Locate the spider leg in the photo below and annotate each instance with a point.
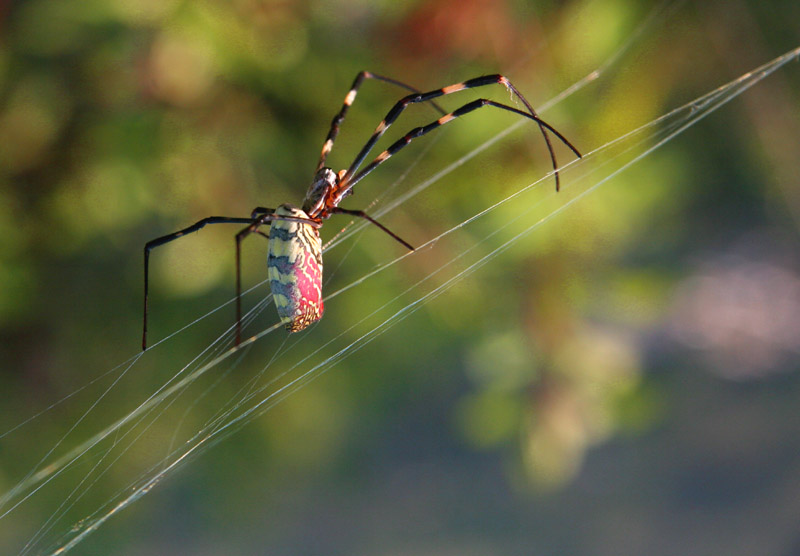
(403, 103)
(258, 211)
(348, 100)
(365, 216)
(253, 228)
(150, 245)
(420, 131)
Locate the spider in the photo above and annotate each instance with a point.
(294, 261)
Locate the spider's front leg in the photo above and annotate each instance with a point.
(327, 146)
(351, 177)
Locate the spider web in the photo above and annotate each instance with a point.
(172, 430)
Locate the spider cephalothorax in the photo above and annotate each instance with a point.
(295, 251)
(319, 196)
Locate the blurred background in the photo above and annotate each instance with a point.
(623, 380)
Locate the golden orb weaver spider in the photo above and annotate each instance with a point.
(294, 261)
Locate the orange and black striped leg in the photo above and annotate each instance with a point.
(253, 228)
(420, 131)
(348, 100)
(150, 245)
(365, 216)
(403, 103)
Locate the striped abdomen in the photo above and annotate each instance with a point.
(294, 265)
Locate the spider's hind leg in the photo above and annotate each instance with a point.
(152, 244)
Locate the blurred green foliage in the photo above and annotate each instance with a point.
(122, 121)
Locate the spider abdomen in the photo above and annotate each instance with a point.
(294, 265)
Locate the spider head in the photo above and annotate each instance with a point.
(325, 181)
